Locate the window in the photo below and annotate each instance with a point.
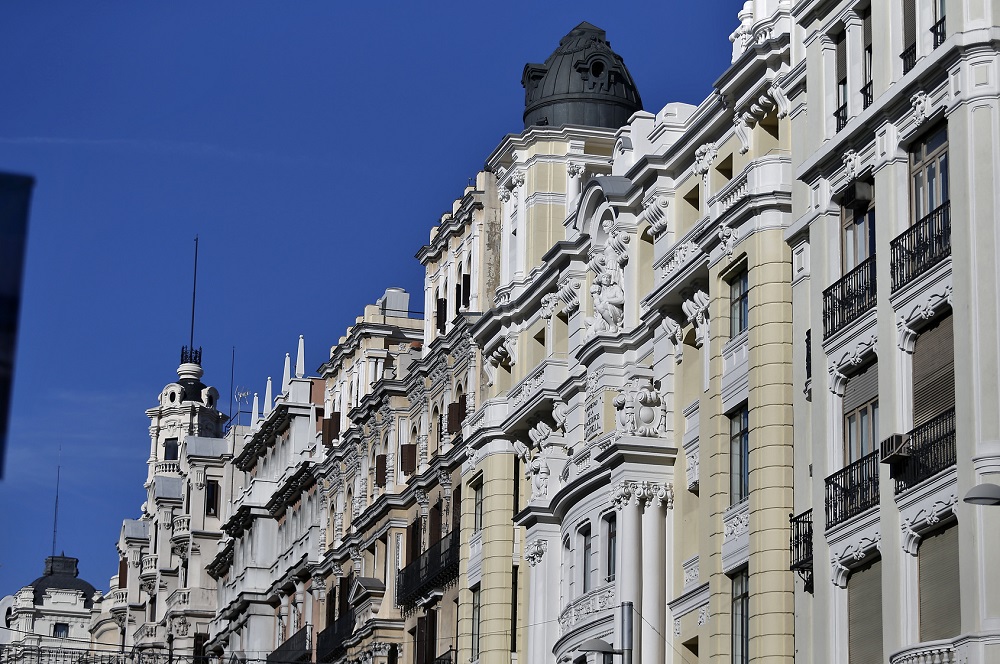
(861, 414)
(610, 547)
(170, 449)
(212, 498)
(60, 630)
(587, 550)
(840, 114)
(929, 174)
(741, 618)
(739, 304)
(858, 225)
(940, 599)
(477, 498)
(475, 622)
(867, 91)
(513, 609)
(864, 614)
(739, 455)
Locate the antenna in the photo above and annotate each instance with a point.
(189, 353)
(55, 516)
(194, 290)
(232, 377)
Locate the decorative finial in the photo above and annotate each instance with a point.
(268, 399)
(256, 408)
(286, 375)
(300, 359)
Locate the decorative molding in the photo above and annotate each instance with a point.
(655, 213)
(931, 302)
(921, 107)
(675, 333)
(601, 599)
(728, 237)
(696, 309)
(628, 492)
(852, 164)
(680, 256)
(851, 555)
(569, 294)
(639, 407)
(925, 517)
(703, 615)
(574, 169)
(852, 357)
(534, 550)
(549, 303)
(703, 158)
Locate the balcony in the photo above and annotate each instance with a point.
(802, 547)
(446, 658)
(930, 449)
(867, 95)
(929, 652)
(167, 468)
(330, 642)
(852, 490)
(296, 648)
(909, 58)
(921, 246)
(147, 567)
(939, 33)
(840, 115)
(846, 300)
(435, 567)
(181, 525)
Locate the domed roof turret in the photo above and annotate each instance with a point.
(61, 573)
(583, 82)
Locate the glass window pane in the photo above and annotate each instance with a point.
(918, 195)
(932, 185)
(945, 196)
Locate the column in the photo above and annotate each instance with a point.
(630, 560)
(654, 603)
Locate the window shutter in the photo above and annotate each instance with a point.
(841, 57)
(934, 372)
(408, 458)
(940, 599)
(458, 296)
(413, 540)
(867, 23)
(861, 388)
(442, 314)
(430, 631)
(456, 508)
(380, 470)
(434, 524)
(421, 640)
(122, 573)
(327, 432)
(466, 289)
(455, 417)
(864, 614)
(909, 23)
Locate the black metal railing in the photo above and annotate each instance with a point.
(846, 300)
(802, 541)
(191, 355)
(931, 448)
(444, 659)
(435, 567)
(296, 648)
(909, 58)
(330, 642)
(867, 94)
(922, 246)
(939, 33)
(840, 115)
(852, 490)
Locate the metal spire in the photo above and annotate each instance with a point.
(55, 515)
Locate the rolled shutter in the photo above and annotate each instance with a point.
(408, 458)
(934, 372)
(909, 23)
(861, 388)
(940, 599)
(841, 57)
(864, 614)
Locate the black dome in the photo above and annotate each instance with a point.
(583, 82)
(61, 573)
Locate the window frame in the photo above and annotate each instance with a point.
(171, 449)
(610, 547)
(477, 507)
(739, 303)
(869, 408)
(740, 616)
(739, 463)
(476, 626)
(212, 491)
(586, 559)
(919, 162)
(853, 218)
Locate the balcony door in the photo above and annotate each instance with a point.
(861, 415)
(929, 174)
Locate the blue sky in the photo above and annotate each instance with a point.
(310, 145)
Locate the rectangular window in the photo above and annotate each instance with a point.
(739, 455)
(857, 225)
(212, 498)
(861, 414)
(475, 623)
(741, 618)
(513, 609)
(611, 547)
(864, 614)
(929, 184)
(586, 547)
(739, 304)
(477, 498)
(60, 630)
(170, 448)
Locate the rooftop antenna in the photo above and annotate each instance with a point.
(55, 516)
(188, 353)
(232, 378)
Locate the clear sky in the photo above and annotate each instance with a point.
(311, 145)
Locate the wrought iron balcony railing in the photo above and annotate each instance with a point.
(840, 115)
(852, 490)
(435, 567)
(931, 449)
(939, 33)
(444, 659)
(846, 300)
(802, 541)
(921, 246)
(330, 642)
(867, 94)
(909, 58)
(296, 648)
